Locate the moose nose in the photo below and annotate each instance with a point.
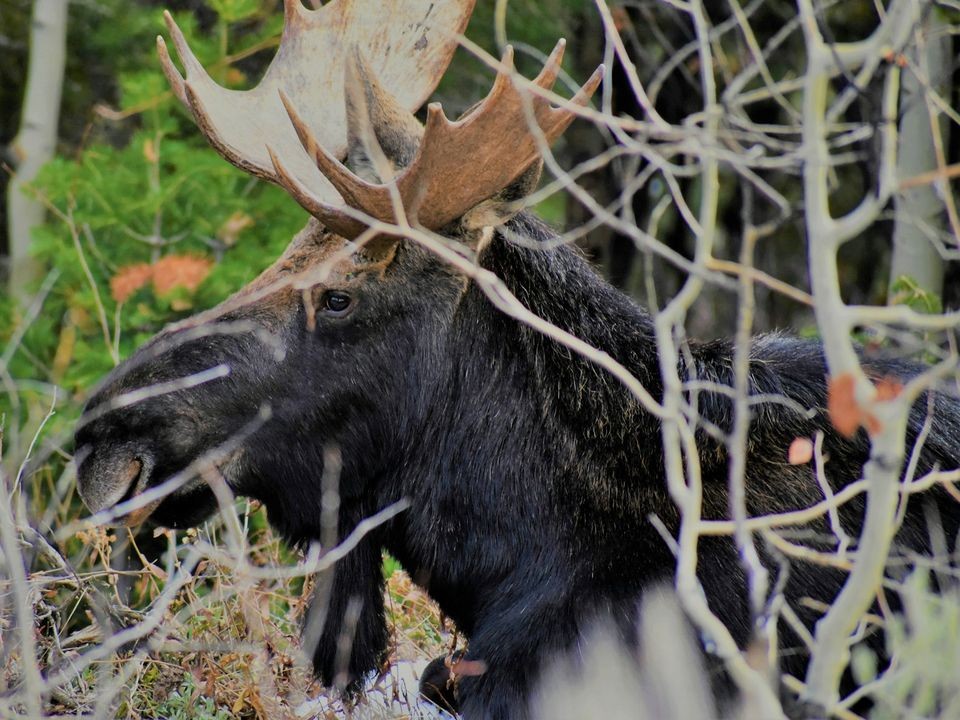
(109, 475)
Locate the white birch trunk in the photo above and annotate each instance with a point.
(36, 140)
(919, 211)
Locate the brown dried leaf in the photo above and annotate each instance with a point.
(150, 152)
(239, 703)
(233, 226)
(158, 572)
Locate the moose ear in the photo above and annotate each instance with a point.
(506, 203)
(382, 135)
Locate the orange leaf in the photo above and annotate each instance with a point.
(173, 271)
(128, 280)
(845, 415)
(889, 388)
(800, 452)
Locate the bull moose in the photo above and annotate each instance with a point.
(528, 474)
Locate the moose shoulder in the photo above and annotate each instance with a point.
(529, 474)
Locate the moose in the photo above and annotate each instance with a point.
(526, 476)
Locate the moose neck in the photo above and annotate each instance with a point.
(559, 286)
(524, 434)
(520, 386)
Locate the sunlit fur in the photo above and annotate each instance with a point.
(532, 475)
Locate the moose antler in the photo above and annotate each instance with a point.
(408, 42)
(495, 140)
(292, 128)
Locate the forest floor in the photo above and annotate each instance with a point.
(164, 639)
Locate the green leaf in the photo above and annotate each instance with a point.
(906, 291)
(142, 88)
(235, 10)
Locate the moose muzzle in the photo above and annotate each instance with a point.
(109, 475)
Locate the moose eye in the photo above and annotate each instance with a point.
(335, 302)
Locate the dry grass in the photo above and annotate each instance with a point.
(161, 624)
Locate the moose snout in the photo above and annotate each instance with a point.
(108, 475)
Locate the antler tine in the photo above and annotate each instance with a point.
(410, 42)
(501, 83)
(333, 217)
(169, 69)
(378, 127)
(551, 69)
(352, 189)
(561, 117)
(189, 60)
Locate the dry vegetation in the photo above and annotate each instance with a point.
(161, 624)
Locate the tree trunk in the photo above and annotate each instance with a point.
(36, 140)
(919, 211)
(583, 143)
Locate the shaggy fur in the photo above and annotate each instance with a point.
(531, 474)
